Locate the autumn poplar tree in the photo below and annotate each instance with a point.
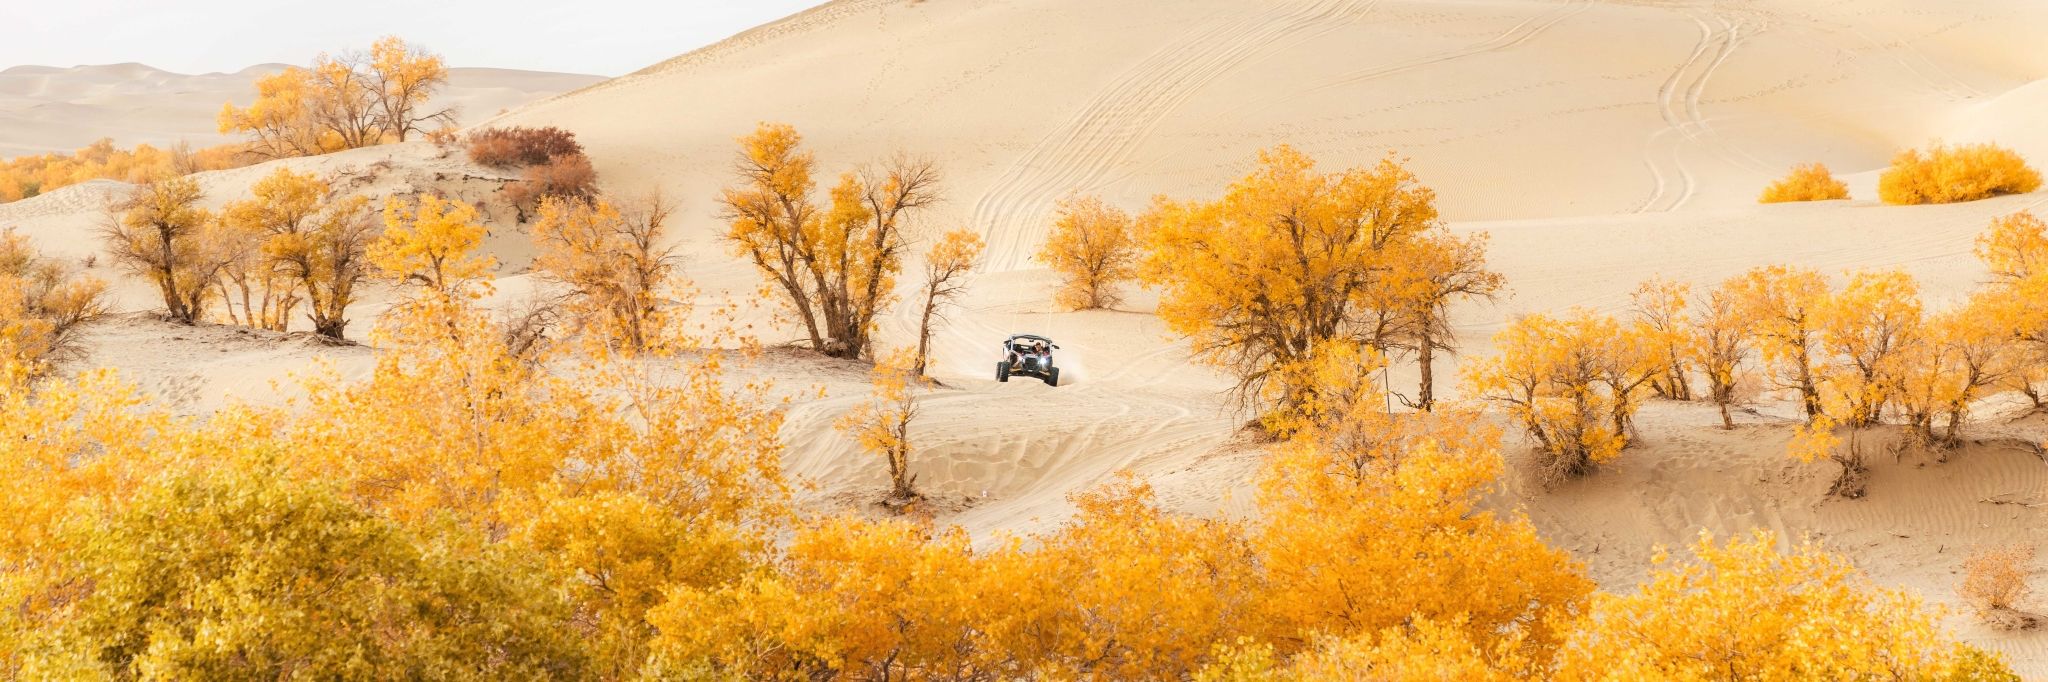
(404, 77)
(618, 275)
(1660, 316)
(352, 100)
(1572, 383)
(42, 305)
(161, 234)
(284, 205)
(426, 251)
(1717, 340)
(1961, 356)
(1093, 248)
(833, 268)
(1779, 302)
(946, 267)
(1288, 261)
(1438, 269)
(882, 425)
(1865, 331)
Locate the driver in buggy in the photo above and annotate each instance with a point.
(1027, 353)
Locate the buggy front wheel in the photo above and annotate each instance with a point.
(1052, 377)
(1003, 372)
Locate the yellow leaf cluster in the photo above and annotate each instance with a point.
(833, 268)
(341, 102)
(1745, 611)
(616, 268)
(1808, 182)
(882, 425)
(1291, 260)
(1094, 249)
(41, 305)
(26, 176)
(1947, 174)
(1573, 383)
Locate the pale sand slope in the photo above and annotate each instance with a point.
(50, 109)
(1511, 108)
(1524, 115)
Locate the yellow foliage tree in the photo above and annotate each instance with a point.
(946, 267)
(1333, 546)
(882, 425)
(1717, 339)
(1287, 261)
(1094, 250)
(284, 206)
(341, 102)
(855, 599)
(1865, 332)
(1808, 182)
(1661, 318)
(195, 580)
(427, 247)
(1430, 274)
(1962, 354)
(834, 269)
(160, 233)
(42, 305)
(1124, 590)
(1778, 303)
(1745, 611)
(1571, 383)
(404, 77)
(618, 275)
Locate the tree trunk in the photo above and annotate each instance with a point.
(1425, 358)
(924, 333)
(1727, 422)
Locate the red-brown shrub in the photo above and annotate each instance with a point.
(520, 146)
(565, 176)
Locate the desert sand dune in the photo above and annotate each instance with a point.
(1599, 143)
(49, 109)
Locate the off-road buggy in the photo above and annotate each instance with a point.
(1028, 355)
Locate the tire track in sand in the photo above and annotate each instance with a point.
(1685, 124)
(1094, 141)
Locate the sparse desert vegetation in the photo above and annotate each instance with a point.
(1996, 579)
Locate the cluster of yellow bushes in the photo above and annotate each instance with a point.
(26, 176)
(1944, 174)
(1856, 356)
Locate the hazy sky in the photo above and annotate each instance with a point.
(603, 37)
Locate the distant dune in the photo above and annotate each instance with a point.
(51, 109)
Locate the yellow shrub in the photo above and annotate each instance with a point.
(1744, 611)
(1947, 175)
(1995, 578)
(1808, 182)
